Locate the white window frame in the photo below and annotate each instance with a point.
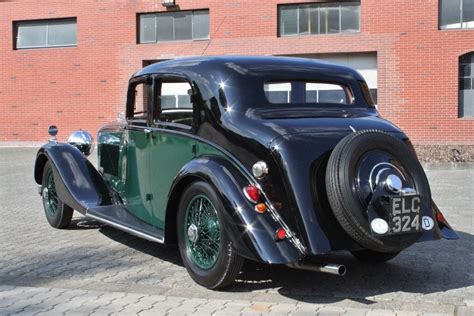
(46, 22)
(318, 5)
(174, 27)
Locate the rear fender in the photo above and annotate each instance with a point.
(440, 226)
(252, 234)
(78, 183)
(445, 230)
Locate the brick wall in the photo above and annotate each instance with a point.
(84, 86)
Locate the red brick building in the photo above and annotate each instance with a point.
(68, 62)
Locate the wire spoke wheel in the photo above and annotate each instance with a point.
(202, 232)
(57, 213)
(50, 196)
(204, 245)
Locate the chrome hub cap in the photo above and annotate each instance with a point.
(379, 168)
(202, 232)
(393, 183)
(193, 233)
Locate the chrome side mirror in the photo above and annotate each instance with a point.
(83, 141)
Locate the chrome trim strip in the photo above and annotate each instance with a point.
(178, 125)
(127, 229)
(276, 217)
(176, 110)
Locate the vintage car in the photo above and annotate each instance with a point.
(272, 159)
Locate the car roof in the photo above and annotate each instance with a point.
(250, 65)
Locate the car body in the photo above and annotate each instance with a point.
(258, 134)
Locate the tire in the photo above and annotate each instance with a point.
(348, 207)
(373, 256)
(57, 213)
(214, 271)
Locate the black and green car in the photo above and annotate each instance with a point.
(272, 159)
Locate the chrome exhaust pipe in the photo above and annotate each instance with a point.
(337, 269)
(331, 268)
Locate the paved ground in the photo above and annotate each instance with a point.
(91, 268)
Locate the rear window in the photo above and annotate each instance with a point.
(297, 92)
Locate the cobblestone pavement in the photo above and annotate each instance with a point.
(95, 269)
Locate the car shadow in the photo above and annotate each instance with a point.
(166, 253)
(423, 268)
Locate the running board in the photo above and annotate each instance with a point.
(119, 217)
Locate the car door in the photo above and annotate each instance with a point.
(172, 140)
(137, 193)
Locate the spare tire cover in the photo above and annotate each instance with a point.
(358, 162)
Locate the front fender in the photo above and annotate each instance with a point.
(78, 183)
(252, 234)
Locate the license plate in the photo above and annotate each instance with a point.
(405, 214)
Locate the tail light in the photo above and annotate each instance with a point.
(260, 208)
(252, 193)
(440, 217)
(280, 234)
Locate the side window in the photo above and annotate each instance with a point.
(140, 101)
(174, 99)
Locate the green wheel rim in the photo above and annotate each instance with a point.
(202, 232)
(50, 196)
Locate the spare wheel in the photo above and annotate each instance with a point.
(362, 163)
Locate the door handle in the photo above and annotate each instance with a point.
(149, 132)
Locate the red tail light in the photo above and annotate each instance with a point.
(440, 217)
(280, 234)
(252, 193)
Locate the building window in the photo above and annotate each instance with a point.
(318, 18)
(456, 14)
(466, 85)
(45, 33)
(173, 26)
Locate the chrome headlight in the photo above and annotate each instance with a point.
(83, 141)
